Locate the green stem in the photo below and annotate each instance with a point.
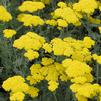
(97, 73)
(19, 28)
(74, 97)
(55, 96)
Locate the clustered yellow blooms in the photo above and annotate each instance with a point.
(51, 22)
(65, 15)
(31, 6)
(97, 58)
(19, 96)
(33, 91)
(77, 52)
(94, 20)
(30, 20)
(30, 54)
(79, 72)
(9, 33)
(76, 49)
(85, 6)
(74, 68)
(85, 91)
(18, 88)
(31, 42)
(47, 47)
(44, 1)
(5, 16)
(47, 70)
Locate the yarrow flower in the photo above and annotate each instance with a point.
(5, 16)
(52, 85)
(9, 33)
(55, 58)
(85, 6)
(28, 41)
(30, 20)
(30, 54)
(31, 6)
(19, 96)
(15, 84)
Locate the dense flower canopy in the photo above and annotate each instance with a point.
(54, 48)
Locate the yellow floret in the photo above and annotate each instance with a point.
(88, 42)
(30, 54)
(31, 6)
(33, 92)
(5, 16)
(62, 4)
(9, 33)
(18, 96)
(30, 20)
(15, 84)
(62, 23)
(47, 47)
(51, 22)
(47, 61)
(85, 6)
(52, 85)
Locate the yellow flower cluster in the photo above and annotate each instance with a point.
(19, 88)
(19, 96)
(77, 49)
(74, 68)
(12, 84)
(51, 22)
(30, 20)
(9, 33)
(67, 14)
(31, 42)
(79, 72)
(85, 6)
(59, 22)
(5, 16)
(33, 91)
(64, 15)
(31, 6)
(76, 71)
(47, 47)
(76, 53)
(47, 70)
(44, 1)
(30, 54)
(97, 58)
(47, 61)
(52, 85)
(94, 20)
(85, 91)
